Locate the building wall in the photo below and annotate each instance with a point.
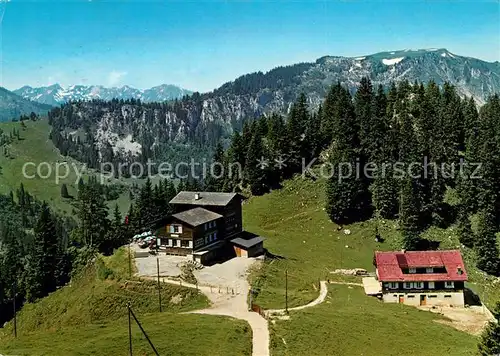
(437, 298)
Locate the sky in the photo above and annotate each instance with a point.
(200, 45)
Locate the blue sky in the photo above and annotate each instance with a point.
(199, 45)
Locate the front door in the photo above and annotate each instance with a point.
(423, 299)
(401, 299)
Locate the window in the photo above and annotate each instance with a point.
(413, 285)
(432, 296)
(411, 296)
(184, 243)
(215, 236)
(175, 229)
(177, 243)
(393, 285)
(412, 270)
(429, 270)
(447, 296)
(432, 285)
(169, 243)
(448, 284)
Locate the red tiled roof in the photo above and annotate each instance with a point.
(390, 264)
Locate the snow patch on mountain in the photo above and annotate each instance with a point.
(392, 61)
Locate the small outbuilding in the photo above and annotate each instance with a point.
(248, 245)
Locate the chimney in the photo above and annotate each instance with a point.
(197, 196)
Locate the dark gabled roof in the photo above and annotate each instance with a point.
(205, 198)
(247, 239)
(196, 216)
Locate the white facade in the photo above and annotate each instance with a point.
(437, 298)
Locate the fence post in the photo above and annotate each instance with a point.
(159, 286)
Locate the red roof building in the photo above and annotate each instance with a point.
(395, 266)
(421, 277)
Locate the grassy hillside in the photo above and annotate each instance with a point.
(308, 246)
(35, 146)
(296, 227)
(89, 317)
(351, 324)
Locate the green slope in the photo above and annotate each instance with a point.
(89, 317)
(298, 230)
(35, 148)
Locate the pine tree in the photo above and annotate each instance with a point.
(347, 196)
(296, 135)
(409, 215)
(145, 205)
(218, 172)
(365, 113)
(486, 248)
(93, 215)
(42, 258)
(256, 168)
(170, 193)
(464, 229)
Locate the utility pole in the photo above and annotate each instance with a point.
(286, 291)
(159, 286)
(129, 263)
(14, 306)
(129, 330)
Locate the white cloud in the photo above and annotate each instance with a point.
(115, 77)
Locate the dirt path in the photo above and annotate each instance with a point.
(347, 283)
(321, 298)
(233, 305)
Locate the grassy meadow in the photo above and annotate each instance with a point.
(89, 317)
(349, 323)
(35, 146)
(307, 246)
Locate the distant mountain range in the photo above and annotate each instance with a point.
(257, 93)
(55, 94)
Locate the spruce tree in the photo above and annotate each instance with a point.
(486, 248)
(218, 172)
(257, 166)
(40, 272)
(409, 215)
(347, 195)
(145, 204)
